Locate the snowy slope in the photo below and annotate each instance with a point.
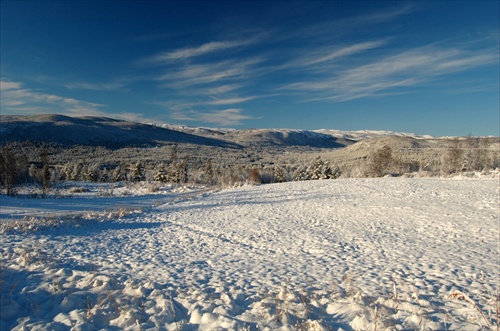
(91, 131)
(353, 254)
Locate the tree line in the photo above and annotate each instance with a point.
(16, 168)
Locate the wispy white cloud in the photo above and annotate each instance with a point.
(95, 86)
(208, 73)
(226, 117)
(231, 101)
(322, 58)
(335, 29)
(336, 53)
(5, 85)
(406, 69)
(16, 100)
(191, 52)
(216, 90)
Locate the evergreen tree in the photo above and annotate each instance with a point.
(300, 174)
(45, 178)
(316, 169)
(91, 174)
(138, 173)
(118, 174)
(10, 170)
(76, 172)
(63, 174)
(183, 171)
(173, 173)
(161, 175)
(209, 172)
(279, 175)
(42, 176)
(335, 172)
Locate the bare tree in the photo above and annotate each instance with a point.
(453, 159)
(379, 162)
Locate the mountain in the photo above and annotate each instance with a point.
(113, 133)
(94, 131)
(269, 137)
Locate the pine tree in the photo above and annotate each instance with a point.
(335, 172)
(91, 174)
(300, 174)
(44, 174)
(279, 175)
(10, 170)
(183, 171)
(138, 173)
(45, 178)
(117, 174)
(161, 175)
(315, 169)
(209, 172)
(63, 174)
(76, 172)
(173, 173)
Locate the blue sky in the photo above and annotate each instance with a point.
(422, 67)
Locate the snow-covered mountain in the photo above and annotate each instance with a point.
(108, 132)
(93, 131)
(281, 135)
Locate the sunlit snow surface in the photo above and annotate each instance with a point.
(350, 254)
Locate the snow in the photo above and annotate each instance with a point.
(346, 254)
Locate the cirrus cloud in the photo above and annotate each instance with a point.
(16, 100)
(225, 117)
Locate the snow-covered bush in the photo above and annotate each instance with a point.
(279, 175)
(318, 169)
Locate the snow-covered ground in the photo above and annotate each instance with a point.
(350, 254)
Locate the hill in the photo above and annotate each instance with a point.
(94, 131)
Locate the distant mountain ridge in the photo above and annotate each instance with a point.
(93, 131)
(114, 133)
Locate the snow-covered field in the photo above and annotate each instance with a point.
(350, 254)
